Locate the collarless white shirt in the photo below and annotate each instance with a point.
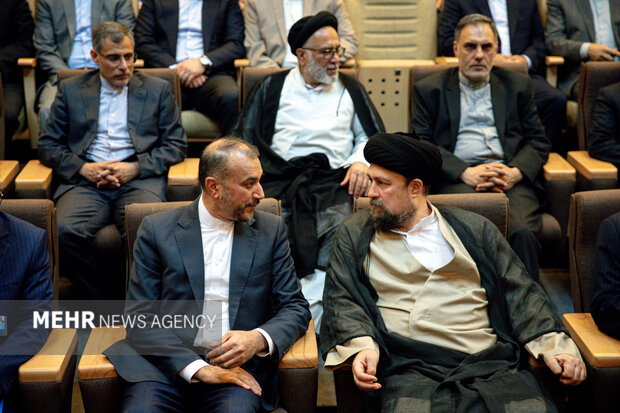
(189, 40)
(293, 11)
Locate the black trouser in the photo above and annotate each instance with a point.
(13, 104)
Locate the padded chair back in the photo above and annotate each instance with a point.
(587, 210)
(493, 207)
(40, 213)
(592, 77)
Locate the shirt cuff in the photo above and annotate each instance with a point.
(528, 60)
(269, 343)
(174, 66)
(552, 344)
(188, 372)
(342, 353)
(583, 50)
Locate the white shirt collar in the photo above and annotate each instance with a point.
(424, 223)
(107, 88)
(469, 84)
(210, 223)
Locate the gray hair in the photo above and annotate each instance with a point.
(214, 159)
(115, 31)
(474, 19)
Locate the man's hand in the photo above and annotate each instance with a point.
(507, 176)
(119, 173)
(364, 369)
(602, 52)
(571, 370)
(479, 177)
(94, 172)
(197, 81)
(217, 375)
(188, 70)
(509, 58)
(358, 180)
(236, 347)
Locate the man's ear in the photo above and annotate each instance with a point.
(454, 47)
(213, 187)
(94, 56)
(416, 188)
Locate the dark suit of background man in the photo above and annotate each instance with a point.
(16, 28)
(110, 140)
(216, 253)
(604, 139)
(521, 38)
(581, 30)
(24, 275)
(496, 141)
(201, 40)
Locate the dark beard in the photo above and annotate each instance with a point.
(383, 220)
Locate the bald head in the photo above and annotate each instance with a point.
(222, 156)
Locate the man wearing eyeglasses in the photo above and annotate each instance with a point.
(110, 139)
(311, 124)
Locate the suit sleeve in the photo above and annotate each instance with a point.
(172, 138)
(555, 34)
(536, 50)
(124, 14)
(36, 296)
(48, 54)
(148, 46)
(21, 46)
(254, 44)
(232, 46)
(345, 30)
(450, 16)
(605, 306)
(292, 313)
(602, 143)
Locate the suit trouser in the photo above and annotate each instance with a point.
(46, 99)
(13, 104)
(155, 397)
(524, 221)
(217, 98)
(82, 212)
(551, 105)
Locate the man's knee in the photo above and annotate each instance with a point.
(229, 99)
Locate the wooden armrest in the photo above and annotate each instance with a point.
(554, 60)
(304, 353)
(350, 63)
(27, 62)
(138, 63)
(94, 364)
(558, 168)
(599, 349)
(184, 173)
(444, 60)
(591, 168)
(50, 363)
(241, 63)
(8, 171)
(35, 175)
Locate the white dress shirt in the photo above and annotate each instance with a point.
(82, 42)
(318, 120)
(217, 241)
(112, 141)
(293, 11)
(189, 39)
(499, 11)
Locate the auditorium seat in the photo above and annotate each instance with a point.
(99, 383)
(8, 168)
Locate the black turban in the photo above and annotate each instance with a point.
(306, 26)
(405, 154)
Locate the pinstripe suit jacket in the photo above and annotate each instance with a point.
(24, 275)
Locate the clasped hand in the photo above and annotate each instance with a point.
(493, 177)
(110, 174)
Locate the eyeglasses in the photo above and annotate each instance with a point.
(115, 59)
(328, 53)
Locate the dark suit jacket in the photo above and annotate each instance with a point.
(524, 26)
(604, 139)
(16, 28)
(168, 265)
(569, 25)
(24, 275)
(152, 120)
(605, 305)
(222, 33)
(437, 114)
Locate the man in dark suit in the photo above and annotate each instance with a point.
(16, 27)
(24, 275)
(228, 263)
(573, 32)
(485, 123)
(604, 139)
(200, 40)
(521, 39)
(110, 140)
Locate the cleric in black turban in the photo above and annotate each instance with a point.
(405, 154)
(306, 26)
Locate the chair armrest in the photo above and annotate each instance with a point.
(557, 168)
(94, 364)
(184, 172)
(552, 63)
(50, 363)
(592, 173)
(304, 353)
(242, 63)
(34, 178)
(8, 172)
(560, 182)
(351, 63)
(27, 62)
(30, 91)
(599, 349)
(139, 63)
(554, 60)
(446, 60)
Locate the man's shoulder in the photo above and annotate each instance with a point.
(513, 78)
(150, 81)
(436, 81)
(266, 221)
(19, 228)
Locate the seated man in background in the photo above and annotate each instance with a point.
(485, 123)
(200, 40)
(581, 30)
(221, 259)
(24, 275)
(63, 38)
(310, 125)
(604, 139)
(521, 39)
(111, 137)
(431, 301)
(265, 39)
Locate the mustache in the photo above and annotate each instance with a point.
(378, 203)
(252, 204)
